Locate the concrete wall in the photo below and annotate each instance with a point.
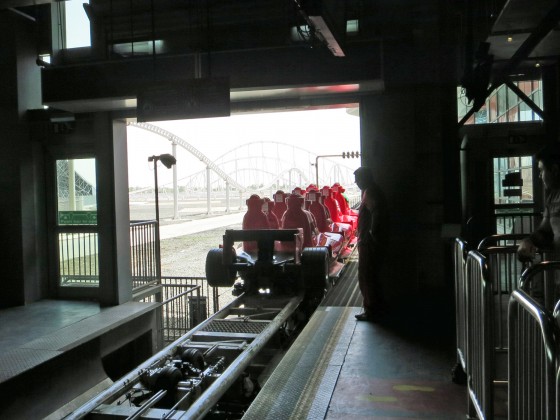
(409, 140)
(22, 209)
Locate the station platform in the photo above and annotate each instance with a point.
(53, 351)
(337, 368)
(340, 368)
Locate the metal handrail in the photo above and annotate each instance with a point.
(460, 255)
(547, 292)
(532, 359)
(493, 274)
(501, 240)
(479, 347)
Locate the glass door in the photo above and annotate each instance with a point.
(76, 223)
(514, 205)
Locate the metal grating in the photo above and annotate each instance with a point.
(346, 291)
(234, 326)
(93, 326)
(302, 385)
(19, 360)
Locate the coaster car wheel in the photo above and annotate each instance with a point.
(217, 274)
(315, 270)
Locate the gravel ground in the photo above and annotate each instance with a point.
(185, 256)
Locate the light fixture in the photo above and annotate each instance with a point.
(509, 38)
(168, 160)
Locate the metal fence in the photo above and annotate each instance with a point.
(77, 256)
(516, 223)
(502, 223)
(532, 360)
(78, 252)
(459, 259)
(143, 252)
(493, 273)
(534, 337)
(506, 323)
(186, 302)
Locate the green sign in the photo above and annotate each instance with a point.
(77, 217)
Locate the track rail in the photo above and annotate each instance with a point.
(231, 341)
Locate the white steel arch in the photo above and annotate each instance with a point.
(191, 149)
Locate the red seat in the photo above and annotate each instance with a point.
(267, 208)
(322, 217)
(301, 191)
(338, 190)
(254, 218)
(296, 217)
(335, 241)
(318, 210)
(279, 198)
(334, 209)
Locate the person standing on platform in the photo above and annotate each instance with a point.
(547, 234)
(373, 237)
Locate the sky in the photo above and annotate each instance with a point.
(331, 131)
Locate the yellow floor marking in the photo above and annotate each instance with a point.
(378, 398)
(406, 388)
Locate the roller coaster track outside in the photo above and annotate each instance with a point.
(193, 150)
(278, 179)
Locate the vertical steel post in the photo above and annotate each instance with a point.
(208, 190)
(158, 250)
(175, 187)
(227, 196)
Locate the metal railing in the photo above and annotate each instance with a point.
(143, 252)
(501, 223)
(477, 345)
(459, 260)
(503, 300)
(492, 274)
(534, 338)
(186, 302)
(516, 222)
(77, 256)
(78, 250)
(532, 360)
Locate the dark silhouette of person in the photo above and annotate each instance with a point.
(547, 234)
(373, 237)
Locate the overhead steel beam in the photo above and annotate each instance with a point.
(549, 22)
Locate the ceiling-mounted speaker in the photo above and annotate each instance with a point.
(187, 99)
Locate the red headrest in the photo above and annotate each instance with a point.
(254, 201)
(294, 201)
(279, 196)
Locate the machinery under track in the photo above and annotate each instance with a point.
(217, 369)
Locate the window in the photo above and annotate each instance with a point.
(513, 194)
(503, 105)
(77, 223)
(76, 24)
